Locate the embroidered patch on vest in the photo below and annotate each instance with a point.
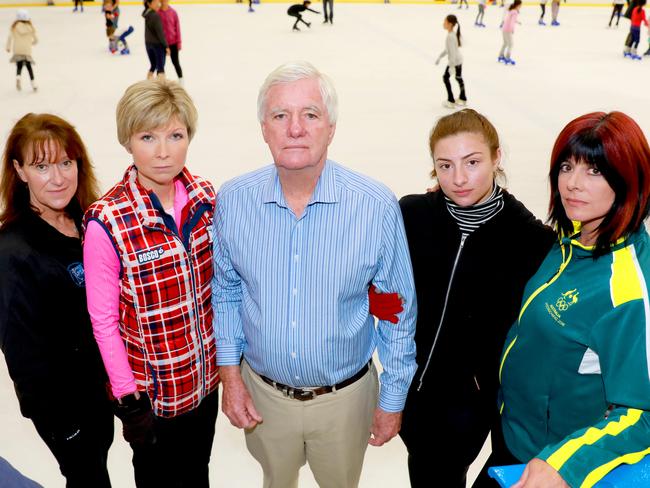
(76, 271)
(146, 256)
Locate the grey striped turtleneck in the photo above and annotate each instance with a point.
(472, 217)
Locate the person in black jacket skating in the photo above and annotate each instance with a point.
(297, 10)
(45, 332)
(473, 247)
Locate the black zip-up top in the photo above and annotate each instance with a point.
(470, 287)
(153, 28)
(45, 331)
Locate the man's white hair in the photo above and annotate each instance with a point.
(295, 71)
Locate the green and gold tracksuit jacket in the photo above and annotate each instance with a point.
(575, 370)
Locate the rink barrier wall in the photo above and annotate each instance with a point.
(67, 3)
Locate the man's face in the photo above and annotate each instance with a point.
(296, 125)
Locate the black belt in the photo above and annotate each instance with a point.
(304, 394)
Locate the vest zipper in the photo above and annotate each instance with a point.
(444, 309)
(201, 373)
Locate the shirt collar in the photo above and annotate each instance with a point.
(325, 191)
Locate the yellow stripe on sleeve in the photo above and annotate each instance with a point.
(624, 284)
(599, 473)
(592, 435)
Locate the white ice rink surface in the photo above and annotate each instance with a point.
(381, 59)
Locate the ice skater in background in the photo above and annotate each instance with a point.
(460, 4)
(632, 42)
(618, 8)
(77, 5)
(455, 61)
(555, 10)
(154, 39)
(297, 10)
(111, 13)
(508, 31)
(22, 36)
(172, 29)
(481, 13)
(542, 5)
(329, 16)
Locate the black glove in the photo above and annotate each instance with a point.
(137, 419)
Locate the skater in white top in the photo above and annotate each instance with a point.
(22, 36)
(454, 61)
(508, 30)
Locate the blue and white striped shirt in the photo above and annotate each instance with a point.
(291, 294)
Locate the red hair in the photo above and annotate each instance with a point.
(614, 143)
(36, 131)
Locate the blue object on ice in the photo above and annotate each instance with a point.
(625, 476)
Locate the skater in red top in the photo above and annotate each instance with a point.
(632, 42)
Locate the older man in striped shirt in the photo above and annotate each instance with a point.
(296, 246)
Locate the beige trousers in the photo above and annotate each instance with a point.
(330, 432)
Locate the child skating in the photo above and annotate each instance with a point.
(508, 31)
(454, 61)
(22, 36)
(297, 10)
(633, 38)
(172, 29)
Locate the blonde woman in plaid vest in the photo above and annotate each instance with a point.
(148, 259)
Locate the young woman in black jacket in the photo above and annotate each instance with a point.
(473, 247)
(45, 332)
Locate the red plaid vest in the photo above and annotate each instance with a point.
(165, 295)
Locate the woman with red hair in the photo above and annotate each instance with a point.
(46, 185)
(575, 369)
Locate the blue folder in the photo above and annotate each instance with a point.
(625, 476)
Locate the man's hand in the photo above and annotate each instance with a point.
(236, 402)
(385, 426)
(540, 474)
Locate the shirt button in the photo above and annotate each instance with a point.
(293, 355)
(297, 377)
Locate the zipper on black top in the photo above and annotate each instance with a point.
(444, 309)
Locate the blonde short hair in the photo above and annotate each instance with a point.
(151, 104)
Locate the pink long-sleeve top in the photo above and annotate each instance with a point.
(510, 21)
(102, 270)
(171, 26)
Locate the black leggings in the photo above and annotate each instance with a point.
(80, 445)
(19, 68)
(173, 54)
(543, 7)
(459, 79)
(156, 53)
(618, 8)
(328, 16)
(181, 455)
